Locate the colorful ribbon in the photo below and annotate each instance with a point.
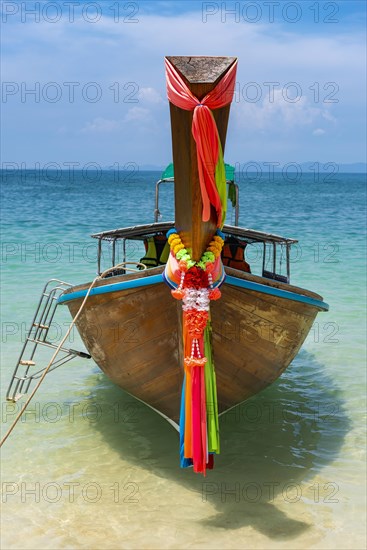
(205, 132)
(196, 284)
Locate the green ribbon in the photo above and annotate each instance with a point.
(221, 181)
(211, 394)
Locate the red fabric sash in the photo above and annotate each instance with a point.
(204, 129)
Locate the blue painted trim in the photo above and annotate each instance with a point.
(287, 294)
(157, 279)
(114, 287)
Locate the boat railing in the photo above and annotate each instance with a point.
(272, 250)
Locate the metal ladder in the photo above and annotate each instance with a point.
(37, 336)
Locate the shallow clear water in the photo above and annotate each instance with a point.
(89, 467)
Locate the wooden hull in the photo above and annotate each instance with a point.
(133, 334)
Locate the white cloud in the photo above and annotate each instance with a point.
(101, 125)
(137, 114)
(150, 95)
(117, 54)
(328, 116)
(318, 132)
(277, 113)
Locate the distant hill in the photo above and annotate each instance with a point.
(153, 167)
(353, 168)
(307, 167)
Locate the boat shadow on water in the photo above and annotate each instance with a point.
(272, 447)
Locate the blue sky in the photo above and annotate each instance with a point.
(99, 83)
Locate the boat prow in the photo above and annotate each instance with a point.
(192, 322)
(132, 328)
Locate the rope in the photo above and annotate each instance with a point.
(21, 412)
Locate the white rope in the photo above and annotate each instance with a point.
(123, 264)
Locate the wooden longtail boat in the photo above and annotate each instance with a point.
(131, 325)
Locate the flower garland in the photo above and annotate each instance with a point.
(196, 290)
(196, 284)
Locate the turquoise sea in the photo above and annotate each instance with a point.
(89, 467)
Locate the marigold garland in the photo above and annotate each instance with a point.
(196, 290)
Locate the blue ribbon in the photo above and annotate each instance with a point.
(185, 462)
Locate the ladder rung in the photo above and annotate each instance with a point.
(15, 398)
(24, 373)
(40, 326)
